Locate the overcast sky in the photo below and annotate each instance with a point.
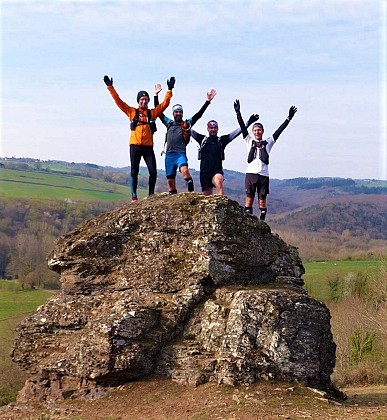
(326, 57)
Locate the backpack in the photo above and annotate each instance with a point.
(185, 128)
(136, 121)
(204, 141)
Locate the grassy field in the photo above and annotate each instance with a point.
(49, 186)
(15, 301)
(317, 274)
(15, 304)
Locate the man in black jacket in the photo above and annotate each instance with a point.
(211, 155)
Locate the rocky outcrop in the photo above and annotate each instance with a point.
(186, 286)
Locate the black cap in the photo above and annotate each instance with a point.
(141, 94)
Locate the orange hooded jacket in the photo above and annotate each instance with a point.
(142, 135)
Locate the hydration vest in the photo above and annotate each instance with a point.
(204, 141)
(136, 121)
(263, 155)
(185, 126)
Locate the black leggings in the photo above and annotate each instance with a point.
(136, 153)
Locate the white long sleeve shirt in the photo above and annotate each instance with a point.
(257, 166)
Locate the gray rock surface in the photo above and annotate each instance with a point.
(188, 287)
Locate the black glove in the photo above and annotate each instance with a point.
(292, 111)
(109, 82)
(252, 119)
(171, 83)
(237, 106)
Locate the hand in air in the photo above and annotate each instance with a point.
(292, 111)
(108, 81)
(171, 83)
(252, 119)
(211, 94)
(157, 89)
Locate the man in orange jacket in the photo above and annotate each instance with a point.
(142, 125)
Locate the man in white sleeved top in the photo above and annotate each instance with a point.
(257, 172)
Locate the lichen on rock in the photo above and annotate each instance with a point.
(187, 286)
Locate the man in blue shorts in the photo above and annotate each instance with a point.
(177, 138)
(257, 172)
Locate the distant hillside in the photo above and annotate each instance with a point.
(309, 204)
(291, 194)
(285, 195)
(363, 215)
(325, 218)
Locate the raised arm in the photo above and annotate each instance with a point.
(156, 92)
(158, 110)
(252, 119)
(119, 102)
(226, 139)
(210, 96)
(231, 136)
(281, 128)
(242, 125)
(237, 108)
(197, 136)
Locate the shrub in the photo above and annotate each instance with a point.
(335, 287)
(362, 344)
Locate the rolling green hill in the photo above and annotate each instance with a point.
(50, 185)
(87, 181)
(330, 205)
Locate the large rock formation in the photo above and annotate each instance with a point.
(186, 286)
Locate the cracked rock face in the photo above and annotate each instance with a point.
(186, 286)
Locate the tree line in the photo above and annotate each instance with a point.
(28, 232)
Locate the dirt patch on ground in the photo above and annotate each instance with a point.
(163, 399)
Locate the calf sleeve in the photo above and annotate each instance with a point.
(133, 185)
(190, 184)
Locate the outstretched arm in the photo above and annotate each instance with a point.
(196, 136)
(281, 128)
(158, 110)
(156, 101)
(124, 107)
(234, 134)
(237, 108)
(210, 96)
(156, 92)
(242, 125)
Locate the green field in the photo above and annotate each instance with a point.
(317, 274)
(15, 304)
(50, 186)
(16, 301)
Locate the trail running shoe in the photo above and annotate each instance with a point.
(134, 200)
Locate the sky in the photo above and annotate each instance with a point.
(328, 58)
